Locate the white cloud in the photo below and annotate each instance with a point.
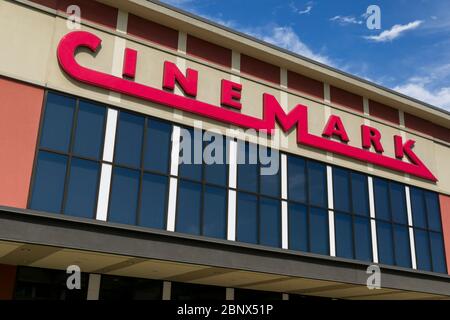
(346, 20)
(308, 8)
(439, 97)
(395, 31)
(285, 37)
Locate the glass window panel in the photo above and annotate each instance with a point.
(434, 216)
(129, 135)
(215, 212)
(58, 119)
(421, 243)
(437, 252)
(270, 222)
(363, 239)
(49, 182)
(398, 203)
(296, 178)
(82, 188)
(360, 194)
(318, 231)
(384, 242)
(341, 189)
(402, 248)
(381, 194)
(418, 208)
(247, 221)
(191, 154)
(344, 235)
(317, 184)
(89, 131)
(298, 227)
(189, 204)
(153, 201)
(217, 172)
(124, 196)
(158, 143)
(270, 173)
(247, 167)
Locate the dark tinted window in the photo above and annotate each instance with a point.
(246, 220)
(298, 227)
(58, 119)
(157, 146)
(127, 288)
(188, 207)
(130, 130)
(153, 201)
(344, 235)
(89, 130)
(317, 184)
(215, 212)
(296, 178)
(124, 196)
(49, 180)
(270, 222)
(82, 188)
(319, 232)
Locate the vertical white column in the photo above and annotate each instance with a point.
(327, 109)
(232, 182)
(111, 120)
(366, 108)
(284, 204)
(118, 51)
(229, 294)
(173, 184)
(401, 117)
(93, 291)
(285, 296)
(373, 227)
(410, 228)
(330, 211)
(106, 170)
(235, 66)
(167, 290)
(181, 64)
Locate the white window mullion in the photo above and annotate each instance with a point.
(232, 182)
(173, 183)
(106, 169)
(284, 204)
(410, 228)
(330, 211)
(373, 227)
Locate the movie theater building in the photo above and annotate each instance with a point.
(91, 120)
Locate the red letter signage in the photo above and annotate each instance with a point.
(272, 111)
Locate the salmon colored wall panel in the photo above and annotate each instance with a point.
(304, 84)
(445, 215)
(346, 99)
(260, 69)
(384, 112)
(90, 10)
(20, 111)
(93, 11)
(7, 281)
(442, 133)
(208, 51)
(418, 124)
(152, 31)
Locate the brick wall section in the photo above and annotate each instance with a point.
(20, 113)
(7, 281)
(208, 51)
(90, 10)
(152, 32)
(346, 99)
(445, 216)
(260, 69)
(305, 85)
(384, 112)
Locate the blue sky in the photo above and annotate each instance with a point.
(410, 53)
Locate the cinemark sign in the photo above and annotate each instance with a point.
(230, 97)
